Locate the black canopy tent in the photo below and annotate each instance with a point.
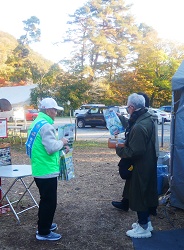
(5, 105)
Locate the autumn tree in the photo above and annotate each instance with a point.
(151, 69)
(62, 88)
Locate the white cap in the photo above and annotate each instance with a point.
(49, 103)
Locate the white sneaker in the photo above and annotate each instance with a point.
(150, 228)
(138, 232)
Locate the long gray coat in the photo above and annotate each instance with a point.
(141, 189)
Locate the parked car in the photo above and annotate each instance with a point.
(31, 114)
(94, 116)
(84, 108)
(165, 108)
(162, 114)
(17, 113)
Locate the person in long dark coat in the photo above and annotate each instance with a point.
(141, 189)
(124, 203)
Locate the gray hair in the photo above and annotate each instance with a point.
(137, 101)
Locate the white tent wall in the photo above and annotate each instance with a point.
(177, 140)
(17, 96)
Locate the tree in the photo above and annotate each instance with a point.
(100, 92)
(151, 70)
(64, 87)
(19, 59)
(33, 33)
(103, 37)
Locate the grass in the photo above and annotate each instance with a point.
(88, 144)
(79, 144)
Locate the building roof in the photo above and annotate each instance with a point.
(18, 95)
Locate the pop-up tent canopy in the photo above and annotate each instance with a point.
(17, 96)
(177, 139)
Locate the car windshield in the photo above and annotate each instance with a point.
(94, 110)
(166, 108)
(33, 111)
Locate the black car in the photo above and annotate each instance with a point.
(94, 116)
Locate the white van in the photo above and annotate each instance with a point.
(84, 108)
(14, 114)
(8, 115)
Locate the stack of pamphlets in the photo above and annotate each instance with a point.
(66, 162)
(66, 167)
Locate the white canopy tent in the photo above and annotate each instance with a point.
(177, 139)
(17, 96)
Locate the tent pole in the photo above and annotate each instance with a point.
(172, 135)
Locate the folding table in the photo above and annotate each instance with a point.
(18, 172)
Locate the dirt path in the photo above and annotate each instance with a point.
(85, 217)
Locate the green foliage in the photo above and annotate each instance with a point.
(112, 57)
(102, 33)
(151, 69)
(18, 62)
(33, 33)
(108, 45)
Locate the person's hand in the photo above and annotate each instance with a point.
(118, 114)
(67, 149)
(65, 141)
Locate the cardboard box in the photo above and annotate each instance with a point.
(112, 142)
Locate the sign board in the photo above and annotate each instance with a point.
(3, 128)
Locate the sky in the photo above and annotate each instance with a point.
(165, 16)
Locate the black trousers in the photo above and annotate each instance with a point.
(143, 217)
(48, 201)
(152, 210)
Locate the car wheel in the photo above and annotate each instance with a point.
(11, 119)
(81, 124)
(33, 118)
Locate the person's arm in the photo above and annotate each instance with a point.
(49, 140)
(137, 144)
(123, 120)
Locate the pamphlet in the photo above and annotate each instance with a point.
(113, 122)
(67, 131)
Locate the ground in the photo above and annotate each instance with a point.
(85, 217)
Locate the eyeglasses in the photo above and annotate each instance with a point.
(129, 107)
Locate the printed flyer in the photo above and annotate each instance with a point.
(66, 161)
(113, 122)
